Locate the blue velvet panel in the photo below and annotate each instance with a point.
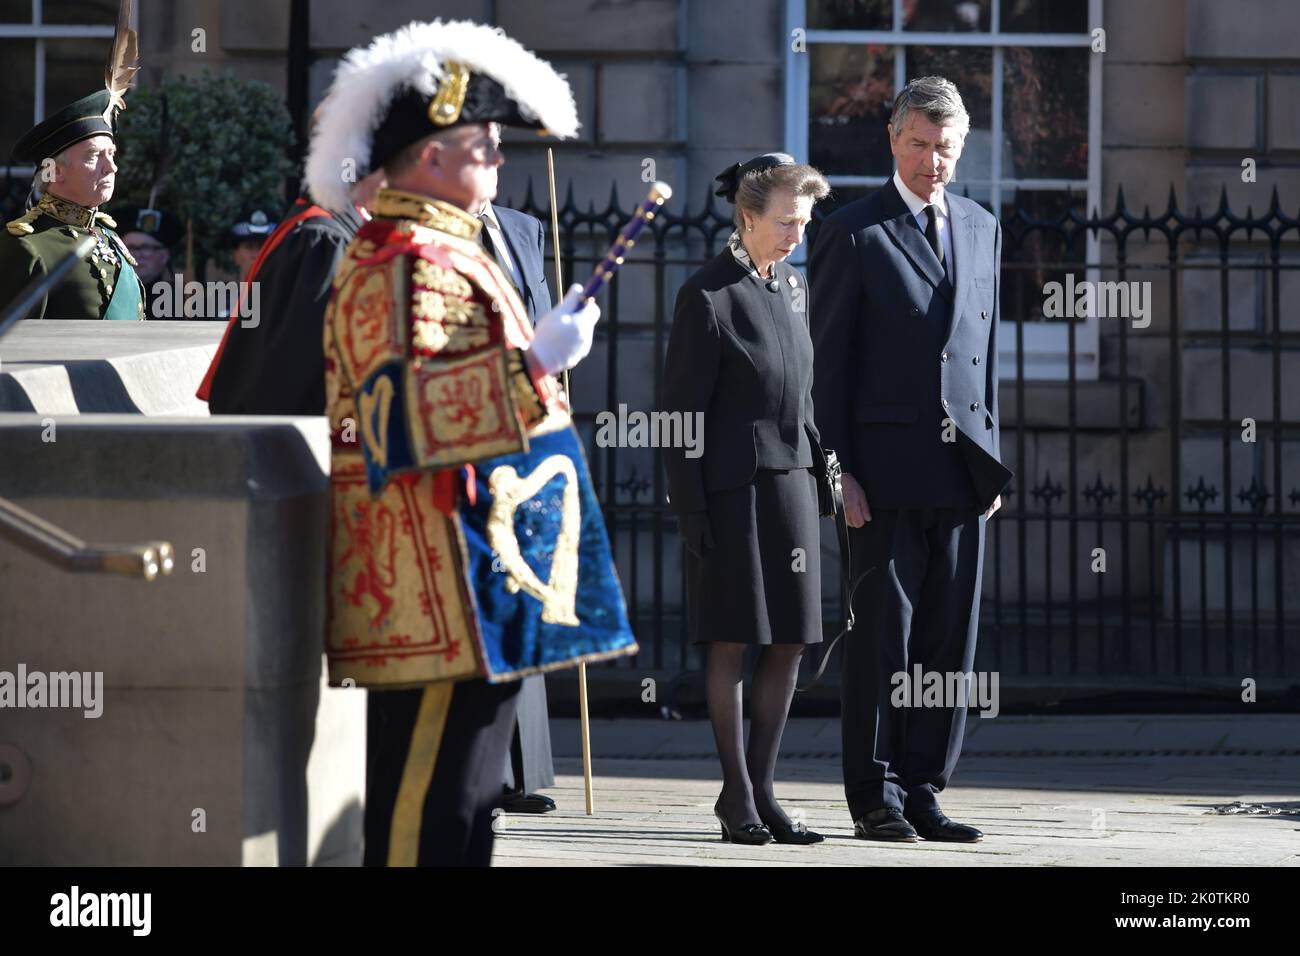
(516, 639)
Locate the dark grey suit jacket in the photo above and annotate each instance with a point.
(900, 349)
(527, 241)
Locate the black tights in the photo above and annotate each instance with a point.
(747, 775)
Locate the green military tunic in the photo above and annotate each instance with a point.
(103, 286)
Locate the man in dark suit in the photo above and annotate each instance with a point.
(518, 242)
(904, 318)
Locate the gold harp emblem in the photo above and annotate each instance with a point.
(375, 434)
(559, 595)
(445, 107)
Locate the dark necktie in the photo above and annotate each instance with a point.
(485, 237)
(932, 235)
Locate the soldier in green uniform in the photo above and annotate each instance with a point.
(74, 152)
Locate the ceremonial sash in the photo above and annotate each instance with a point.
(124, 304)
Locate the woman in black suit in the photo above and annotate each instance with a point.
(740, 356)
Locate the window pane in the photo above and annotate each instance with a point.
(850, 14)
(1045, 16)
(15, 11)
(1045, 112)
(948, 16)
(1033, 256)
(19, 58)
(971, 68)
(73, 69)
(80, 12)
(851, 89)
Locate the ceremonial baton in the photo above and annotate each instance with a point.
(660, 193)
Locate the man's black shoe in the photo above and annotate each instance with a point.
(520, 802)
(931, 824)
(886, 823)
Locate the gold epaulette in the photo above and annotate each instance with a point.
(22, 225)
(106, 219)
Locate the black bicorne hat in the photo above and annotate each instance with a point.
(87, 117)
(411, 117)
(422, 79)
(730, 177)
(91, 115)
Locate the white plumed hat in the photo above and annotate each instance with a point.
(420, 80)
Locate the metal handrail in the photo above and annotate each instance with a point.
(55, 546)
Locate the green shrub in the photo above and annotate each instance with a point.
(229, 142)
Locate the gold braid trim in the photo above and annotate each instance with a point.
(69, 213)
(22, 225)
(427, 211)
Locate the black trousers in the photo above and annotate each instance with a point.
(918, 604)
(433, 772)
(529, 766)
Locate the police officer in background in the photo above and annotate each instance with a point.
(150, 235)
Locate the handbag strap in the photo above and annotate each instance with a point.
(848, 587)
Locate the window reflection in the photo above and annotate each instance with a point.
(80, 12)
(1045, 112)
(947, 16)
(1044, 16)
(851, 92)
(851, 14)
(15, 11)
(1031, 258)
(19, 58)
(72, 68)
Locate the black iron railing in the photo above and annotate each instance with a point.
(1192, 583)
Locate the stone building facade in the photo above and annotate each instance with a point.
(1183, 95)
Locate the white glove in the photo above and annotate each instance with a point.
(564, 335)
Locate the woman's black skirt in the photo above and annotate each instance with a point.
(760, 583)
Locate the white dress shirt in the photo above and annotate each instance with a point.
(501, 247)
(943, 223)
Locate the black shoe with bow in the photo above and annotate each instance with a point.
(796, 834)
(750, 834)
(932, 824)
(886, 823)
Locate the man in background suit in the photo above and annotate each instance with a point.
(904, 297)
(518, 242)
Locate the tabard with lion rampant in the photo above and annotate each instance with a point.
(465, 537)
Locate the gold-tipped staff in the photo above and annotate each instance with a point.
(584, 715)
(659, 194)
